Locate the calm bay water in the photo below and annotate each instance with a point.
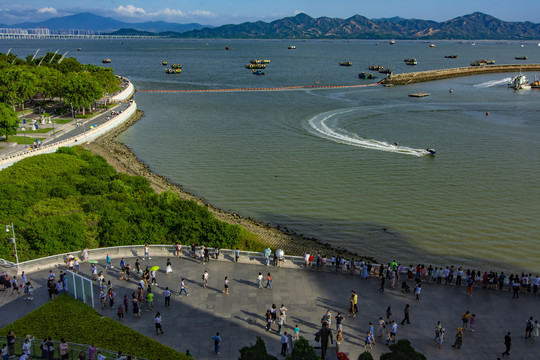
(321, 162)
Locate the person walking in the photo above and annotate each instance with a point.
(108, 262)
(323, 335)
(339, 322)
(157, 321)
(417, 291)
(368, 341)
(283, 311)
(507, 343)
(465, 318)
(388, 315)
(406, 313)
(146, 252)
(529, 326)
(440, 338)
(183, 287)
(268, 320)
(226, 285)
(236, 255)
(259, 280)
(281, 322)
(355, 300)
(169, 267)
(459, 338)
(205, 278)
(167, 296)
(268, 282)
(217, 342)
(284, 344)
(393, 331)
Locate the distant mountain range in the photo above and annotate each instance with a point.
(302, 26)
(89, 21)
(472, 26)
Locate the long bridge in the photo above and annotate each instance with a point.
(72, 36)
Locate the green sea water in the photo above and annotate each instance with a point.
(323, 163)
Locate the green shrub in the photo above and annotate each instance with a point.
(51, 320)
(402, 350)
(256, 352)
(366, 355)
(302, 351)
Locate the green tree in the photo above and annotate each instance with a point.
(302, 351)
(8, 120)
(17, 84)
(80, 90)
(366, 355)
(402, 350)
(256, 352)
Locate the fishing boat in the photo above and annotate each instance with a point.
(519, 82)
(385, 70)
(482, 62)
(106, 61)
(375, 67)
(536, 83)
(345, 63)
(450, 56)
(173, 71)
(258, 72)
(164, 63)
(255, 66)
(431, 45)
(411, 61)
(364, 75)
(292, 47)
(520, 58)
(176, 66)
(392, 42)
(259, 61)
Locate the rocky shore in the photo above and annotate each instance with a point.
(422, 76)
(125, 161)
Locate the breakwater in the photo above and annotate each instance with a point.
(422, 76)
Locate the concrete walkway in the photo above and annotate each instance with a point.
(191, 321)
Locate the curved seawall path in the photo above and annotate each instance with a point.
(422, 76)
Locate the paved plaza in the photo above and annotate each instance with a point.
(191, 321)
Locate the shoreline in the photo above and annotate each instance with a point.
(123, 160)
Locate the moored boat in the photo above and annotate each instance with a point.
(106, 61)
(411, 61)
(345, 63)
(375, 67)
(431, 45)
(482, 62)
(176, 66)
(255, 66)
(227, 48)
(383, 70)
(450, 56)
(364, 75)
(79, 49)
(392, 42)
(520, 58)
(536, 83)
(259, 61)
(164, 63)
(292, 47)
(173, 71)
(258, 72)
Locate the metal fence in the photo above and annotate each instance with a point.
(80, 288)
(74, 350)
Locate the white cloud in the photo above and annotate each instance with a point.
(47, 10)
(202, 13)
(169, 12)
(130, 10)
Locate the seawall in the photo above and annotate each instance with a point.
(422, 76)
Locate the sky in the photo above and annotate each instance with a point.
(219, 12)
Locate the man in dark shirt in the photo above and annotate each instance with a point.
(324, 334)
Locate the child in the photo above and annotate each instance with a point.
(387, 338)
(472, 323)
(339, 337)
(296, 332)
(368, 341)
(120, 312)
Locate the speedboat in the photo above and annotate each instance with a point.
(430, 152)
(519, 82)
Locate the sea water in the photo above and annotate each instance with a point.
(324, 162)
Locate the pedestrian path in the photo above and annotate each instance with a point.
(191, 321)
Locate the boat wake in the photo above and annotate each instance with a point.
(493, 83)
(318, 125)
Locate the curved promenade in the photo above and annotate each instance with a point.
(422, 76)
(78, 136)
(191, 320)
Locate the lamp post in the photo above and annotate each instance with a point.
(13, 241)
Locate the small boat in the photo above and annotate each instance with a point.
(536, 83)
(292, 47)
(106, 61)
(431, 45)
(227, 48)
(519, 82)
(392, 42)
(364, 75)
(164, 63)
(385, 70)
(259, 61)
(258, 72)
(79, 49)
(176, 66)
(375, 67)
(345, 63)
(473, 43)
(520, 58)
(450, 56)
(430, 152)
(418, 95)
(411, 61)
(255, 66)
(482, 62)
(173, 71)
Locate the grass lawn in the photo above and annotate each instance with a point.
(62, 121)
(20, 139)
(38, 131)
(65, 317)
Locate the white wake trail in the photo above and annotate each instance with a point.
(319, 126)
(493, 83)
